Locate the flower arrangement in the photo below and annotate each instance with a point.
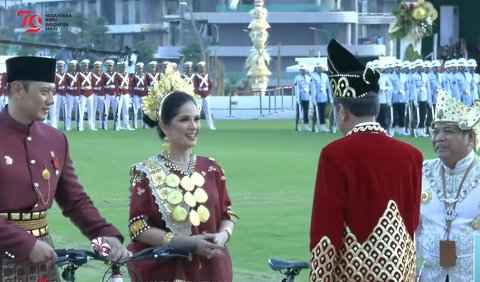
(416, 17)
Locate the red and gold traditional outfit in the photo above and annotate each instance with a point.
(366, 202)
(153, 204)
(35, 169)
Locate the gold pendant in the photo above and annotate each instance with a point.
(179, 214)
(187, 183)
(163, 193)
(426, 196)
(172, 180)
(203, 213)
(158, 178)
(194, 218)
(197, 179)
(46, 174)
(200, 195)
(174, 197)
(189, 200)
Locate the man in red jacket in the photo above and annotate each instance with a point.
(202, 85)
(35, 170)
(367, 193)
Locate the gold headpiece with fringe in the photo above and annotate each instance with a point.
(450, 110)
(170, 82)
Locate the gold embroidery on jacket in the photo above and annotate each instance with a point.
(388, 254)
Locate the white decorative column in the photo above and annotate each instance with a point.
(258, 59)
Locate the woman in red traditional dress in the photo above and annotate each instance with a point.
(177, 198)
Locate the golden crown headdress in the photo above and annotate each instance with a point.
(170, 82)
(450, 110)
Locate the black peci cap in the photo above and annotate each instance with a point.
(348, 76)
(31, 68)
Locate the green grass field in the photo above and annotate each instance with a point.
(270, 172)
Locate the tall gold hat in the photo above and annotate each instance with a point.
(450, 110)
(168, 83)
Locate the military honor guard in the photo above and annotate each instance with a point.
(454, 77)
(59, 104)
(384, 117)
(110, 88)
(202, 85)
(321, 96)
(472, 65)
(152, 74)
(35, 171)
(73, 94)
(86, 96)
(421, 85)
(138, 88)
(98, 95)
(188, 73)
(303, 86)
(399, 98)
(365, 209)
(3, 87)
(122, 80)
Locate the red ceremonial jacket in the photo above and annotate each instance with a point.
(61, 83)
(73, 87)
(109, 85)
(122, 80)
(85, 82)
(138, 84)
(97, 84)
(361, 177)
(202, 84)
(30, 150)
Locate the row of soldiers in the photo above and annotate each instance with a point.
(98, 91)
(407, 95)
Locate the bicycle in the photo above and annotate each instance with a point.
(71, 259)
(289, 269)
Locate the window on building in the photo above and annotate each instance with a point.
(137, 12)
(125, 12)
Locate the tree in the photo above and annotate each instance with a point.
(193, 52)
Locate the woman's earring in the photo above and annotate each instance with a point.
(166, 148)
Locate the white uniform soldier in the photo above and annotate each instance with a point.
(303, 86)
(86, 96)
(98, 95)
(188, 73)
(59, 96)
(123, 82)
(321, 95)
(73, 94)
(202, 85)
(110, 90)
(138, 90)
(472, 65)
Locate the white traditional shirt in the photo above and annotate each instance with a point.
(432, 226)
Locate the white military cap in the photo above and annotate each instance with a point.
(427, 64)
(436, 63)
(140, 64)
(302, 67)
(201, 63)
(85, 62)
(418, 63)
(462, 62)
(122, 63)
(96, 63)
(448, 64)
(398, 63)
(152, 63)
(454, 63)
(472, 63)
(60, 62)
(406, 64)
(188, 64)
(109, 62)
(73, 62)
(165, 63)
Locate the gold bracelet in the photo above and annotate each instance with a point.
(167, 239)
(229, 232)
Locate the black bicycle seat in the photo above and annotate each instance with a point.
(278, 264)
